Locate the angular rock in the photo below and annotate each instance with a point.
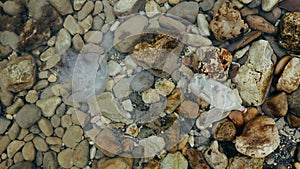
(289, 37)
(259, 138)
(245, 163)
(289, 81)
(72, 26)
(152, 8)
(127, 7)
(259, 23)
(63, 41)
(174, 161)
(18, 74)
(294, 103)
(28, 115)
(63, 6)
(185, 10)
(227, 23)
(129, 32)
(65, 158)
(72, 136)
(195, 40)
(49, 105)
(277, 105)
(253, 78)
(108, 143)
(214, 157)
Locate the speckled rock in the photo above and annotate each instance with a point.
(14, 147)
(17, 74)
(290, 31)
(28, 115)
(245, 163)
(9, 38)
(127, 7)
(174, 161)
(214, 157)
(227, 23)
(185, 10)
(253, 78)
(50, 160)
(152, 145)
(224, 130)
(259, 138)
(289, 81)
(196, 159)
(4, 123)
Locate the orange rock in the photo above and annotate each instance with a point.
(236, 117)
(250, 113)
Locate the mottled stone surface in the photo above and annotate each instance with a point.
(172, 161)
(289, 81)
(259, 138)
(254, 77)
(239, 162)
(290, 31)
(214, 157)
(227, 23)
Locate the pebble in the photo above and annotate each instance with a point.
(66, 121)
(15, 106)
(294, 121)
(277, 105)
(5, 50)
(259, 52)
(72, 26)
(290, 5)
(227, 23)
(203, 25)
(152, 145)
(259, 23)
(81, 154)
(164, 87)
(77, 4)
(14, 131)
(280, 65)
(206, 5)
(196, 159)
(4, 123)
(214, 157)
(28, 115)
(49, 105)
(72, 136)
(224, 130)
(9, 38)
(174, 160)
(40, 144)
(118, 162)
(98, 8)
(65, 159)
(294, 103)
(168, 23)
(259, 137)
(86, 24)
(28, 151)
(150, 96)
(185, 10)
(114, 68)
(5, 141)
(93, 37)
(32, 96)
(63, 6)
(271, 16)
(63, 41)
(77, 42)
(23, 165)
(14, 147)
(127, 7)
(133, 26)
(189, 109)
(122, 88)
(268, 5)
(195, 40)
(109, 12)
(236, 117)
(86, 10)
(11, 7)
(108, 143)
(45, 126)
(132, 130)
(245, 162)
(289, 81)
(127, 105)
(142, 81)
(289, 37)
(50, 160)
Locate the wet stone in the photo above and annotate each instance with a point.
(71, 25)
(189, 109)
(11, 7)
(45, 126)
(224, 131)
(259, 137)
(227, 23)
(108, 143)
(9, 38)
(63, 41)
(28, 115)
(23, 165)
(152, 145)
(277, 105)
(14, 131)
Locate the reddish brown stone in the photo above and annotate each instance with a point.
(277, 105)
(196, 159)
(250, 113)
(236, 117)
